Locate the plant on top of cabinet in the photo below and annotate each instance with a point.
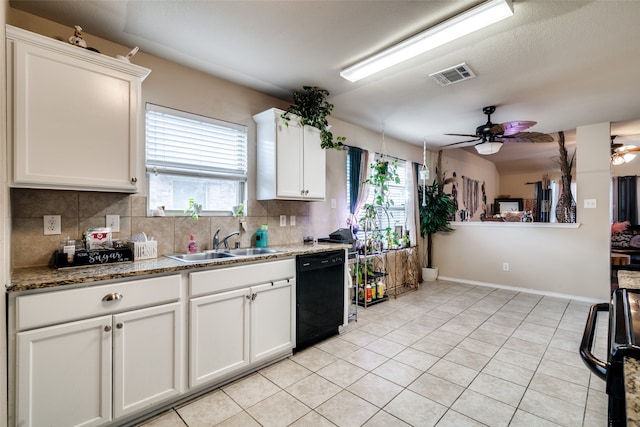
(311, 106)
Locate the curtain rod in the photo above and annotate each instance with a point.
(385, 155)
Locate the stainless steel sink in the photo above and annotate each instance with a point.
(201, 256)
(253, 251)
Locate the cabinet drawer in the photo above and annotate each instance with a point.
(211, 281)
(62, 306)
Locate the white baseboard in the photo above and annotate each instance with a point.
(517, 289)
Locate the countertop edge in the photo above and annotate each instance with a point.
(31, 278)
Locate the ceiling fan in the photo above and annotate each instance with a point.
(622, 153)
(491, 136)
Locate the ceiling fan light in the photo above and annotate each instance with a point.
(617, 160)
(628, 157)
(474, 19)
(487, 148)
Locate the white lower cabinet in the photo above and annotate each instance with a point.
(219, 337)
(64, 374)
(92, 371)
(232, 330)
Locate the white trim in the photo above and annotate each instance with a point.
(525, 290)
(575, 225)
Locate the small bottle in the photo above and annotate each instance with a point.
(380, 289)
(192, 246)
(368, 292)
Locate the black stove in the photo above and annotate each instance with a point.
(623, 341)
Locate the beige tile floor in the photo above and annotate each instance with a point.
(449, 354)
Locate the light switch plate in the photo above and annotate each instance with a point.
(590, 203)
(292, 220)
(283, 220)
(113, 221)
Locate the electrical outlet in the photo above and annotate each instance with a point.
(52, 224)
(505, 266)
(283, 220)
(292, 220)
(113, 222)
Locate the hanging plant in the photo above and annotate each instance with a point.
(311, 106)
(383, 173)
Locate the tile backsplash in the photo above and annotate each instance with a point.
(81, 210)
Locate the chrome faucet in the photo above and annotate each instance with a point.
(225, 239)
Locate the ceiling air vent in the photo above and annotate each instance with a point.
(452, 75)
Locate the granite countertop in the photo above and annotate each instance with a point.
(25, 279)
(632, 390)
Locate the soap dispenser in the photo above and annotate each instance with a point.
(192, 246)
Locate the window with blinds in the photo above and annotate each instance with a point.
(397, 195)
(192, 156)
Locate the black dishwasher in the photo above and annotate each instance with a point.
(319, 296)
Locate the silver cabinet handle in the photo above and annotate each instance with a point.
(119, 325)
(107, 328)
(114, 296)
(248, 296)
(253, 296)
(134, 180)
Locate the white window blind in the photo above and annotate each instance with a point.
(188, 144)
(194, 157)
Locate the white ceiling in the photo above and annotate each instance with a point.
(561, 63)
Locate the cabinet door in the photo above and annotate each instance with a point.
(272, 319)
(147, 358)
(314, 165)
(218, 335)
(64, 374)
(74, 122)
(288, 160)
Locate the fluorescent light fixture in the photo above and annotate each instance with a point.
(460, 25)
(487, 148)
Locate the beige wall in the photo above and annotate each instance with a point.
(465, 164)
(515, 185)
(567, 261)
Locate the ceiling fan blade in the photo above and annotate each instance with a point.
(463, 134)
(512, 128)
(527, 137)
(622, 149)
(461, 142)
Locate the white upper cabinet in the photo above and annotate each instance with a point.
(291, 165)
(74, 116)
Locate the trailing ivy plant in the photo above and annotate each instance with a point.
(310, 104)
(383, 173)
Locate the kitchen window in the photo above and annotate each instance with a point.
(397, 196)
(189, 156)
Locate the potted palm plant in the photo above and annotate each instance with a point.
(312, 107)
(435, 213)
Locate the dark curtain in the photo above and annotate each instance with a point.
(355, 164)
(628, 199)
